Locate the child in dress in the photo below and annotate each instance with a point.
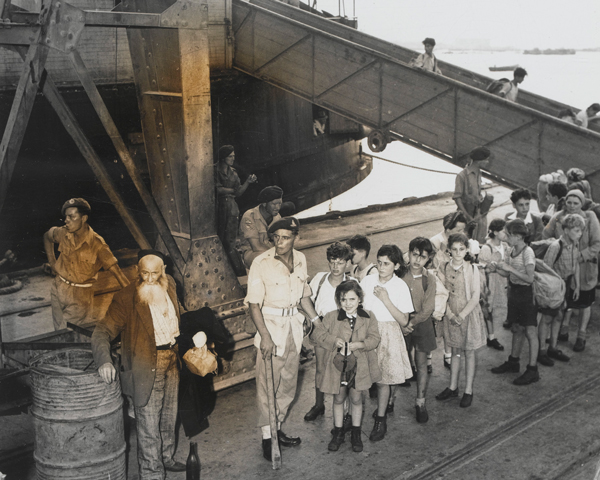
(357, 327)
(464, 326)
(388, 297)
(519, 266)
(495, 250)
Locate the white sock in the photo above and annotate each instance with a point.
(491, 336)
(266, 432)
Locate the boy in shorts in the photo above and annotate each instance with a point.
(420, 329)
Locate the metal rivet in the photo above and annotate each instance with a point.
(199, 264)
(209, 292)
(216, 270)
(212, 250)
(221, 278)
(187, 275)
(203, 252)
(219, 258)
(206, 272)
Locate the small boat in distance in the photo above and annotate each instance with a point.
(508, 68)
(550, 51)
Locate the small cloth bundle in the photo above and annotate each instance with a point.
(199, 359)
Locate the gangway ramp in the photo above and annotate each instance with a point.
(370, 82)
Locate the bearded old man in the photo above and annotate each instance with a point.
(146, 314)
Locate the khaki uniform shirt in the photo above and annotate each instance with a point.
(254, 225)
(80, 263)
(271, 284)
(467, 187)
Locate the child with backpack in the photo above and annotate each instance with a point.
(563, 257)
(464, 327)
(519, 266)
(495, 250)
(351, 332)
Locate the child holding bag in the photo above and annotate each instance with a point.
(349, 332)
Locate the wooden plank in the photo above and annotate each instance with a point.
(29, 82)
(125, 156)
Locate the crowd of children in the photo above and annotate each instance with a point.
(380, 320)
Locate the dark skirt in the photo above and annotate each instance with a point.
(586, 298)
(521, 309)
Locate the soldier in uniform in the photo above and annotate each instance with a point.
(277, 284)
(255, 222)
(82, 254)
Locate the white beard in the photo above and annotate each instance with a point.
(155, 294)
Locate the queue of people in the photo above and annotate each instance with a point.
(374, 325)
(450, 286)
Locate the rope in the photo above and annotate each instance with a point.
(410, 166)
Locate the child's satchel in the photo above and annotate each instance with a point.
(345, 361)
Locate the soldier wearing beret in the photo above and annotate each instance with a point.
(467, 192)
(277, 285)
(82, 254)
(256, 221)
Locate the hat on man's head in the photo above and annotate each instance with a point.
(429, 41)
(480, 153)
(225, 151)
(80, 203)
(268, 194)
(150, 251)
(286, 223)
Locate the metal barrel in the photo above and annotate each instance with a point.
(77, 418)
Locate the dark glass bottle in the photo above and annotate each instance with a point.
(193, 463)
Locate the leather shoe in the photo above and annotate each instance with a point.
(314, 412)
(266, 447)
(422, 415)
(446, 394)
(176, 466)
(288, 441)
(557, 355)
(579, 345)
(466, 400)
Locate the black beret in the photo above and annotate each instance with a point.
(429, 41)
(480, 153)
(287, 223)
(149, 251)
(80, 203)
(269, 194)
(225, 151)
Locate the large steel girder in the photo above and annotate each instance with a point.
(437, 114)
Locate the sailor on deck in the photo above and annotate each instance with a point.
(277, 284)
(83, 253)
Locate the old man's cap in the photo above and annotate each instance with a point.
(480, 153)
(429, 41)
(150, 251)
(80, 203)
(268, 194)
(287, 223)
(225, 151)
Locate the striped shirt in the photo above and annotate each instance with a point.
(519, 263)
(166, 325)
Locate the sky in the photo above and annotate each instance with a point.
(521, 24)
